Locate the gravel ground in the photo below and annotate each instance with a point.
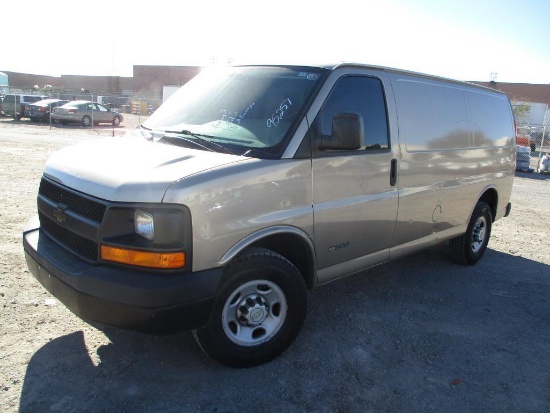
(419, 335)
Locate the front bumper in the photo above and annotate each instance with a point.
(131, 299)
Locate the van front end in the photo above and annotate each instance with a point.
(94, 257)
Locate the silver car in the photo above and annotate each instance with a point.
(85, 112)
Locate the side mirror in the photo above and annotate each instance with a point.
(347, 133)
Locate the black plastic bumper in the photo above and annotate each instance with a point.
(150, 302)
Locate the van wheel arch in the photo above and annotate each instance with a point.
(294, 250)
(290, 243)
(490, 197)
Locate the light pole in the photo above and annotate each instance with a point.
(544, 125)
(49, 89)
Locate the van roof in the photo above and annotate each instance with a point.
(357, 65)
(406, 72)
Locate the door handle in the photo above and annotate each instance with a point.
(393, 172)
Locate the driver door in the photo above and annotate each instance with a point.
(354, 199)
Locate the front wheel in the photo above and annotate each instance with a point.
(258, 313)
(116, 121)
(470, 247)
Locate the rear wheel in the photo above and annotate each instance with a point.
(86, 121)
(470, 247)
(258, 313)
(116, 121)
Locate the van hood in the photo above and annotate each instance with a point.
(129, 169)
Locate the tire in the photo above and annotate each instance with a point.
(470, 247)
(259, 310)
(116, 121)
(86, 121)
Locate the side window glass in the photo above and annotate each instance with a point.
(363, 96)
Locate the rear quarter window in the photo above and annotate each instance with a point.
(491, 120)
(432, 116)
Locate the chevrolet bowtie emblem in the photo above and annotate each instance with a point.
(59, 213)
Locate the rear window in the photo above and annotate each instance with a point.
(33, 98)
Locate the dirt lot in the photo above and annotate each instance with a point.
(419, 335)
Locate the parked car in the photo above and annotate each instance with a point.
(40, 111)
(14, 104)
(85, 112)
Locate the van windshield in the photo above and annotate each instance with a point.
(249, 110)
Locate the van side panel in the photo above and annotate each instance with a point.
(456, 141)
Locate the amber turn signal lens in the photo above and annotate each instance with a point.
(164, 260)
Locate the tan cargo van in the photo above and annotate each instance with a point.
(253, 184)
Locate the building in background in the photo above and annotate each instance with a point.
(148, 83)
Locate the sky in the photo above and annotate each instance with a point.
(462, 39)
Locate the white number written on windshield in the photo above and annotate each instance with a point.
(234, 117)
(279, 113)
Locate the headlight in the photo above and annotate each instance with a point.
(144, 224)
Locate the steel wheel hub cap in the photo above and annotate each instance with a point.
(252, 310)
(254, 313)
(479, 234)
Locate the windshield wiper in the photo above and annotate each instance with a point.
(200, 141)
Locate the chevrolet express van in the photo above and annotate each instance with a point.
(253, 184)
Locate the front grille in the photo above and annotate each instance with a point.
(83, 247)
(82, 206)
(67, 233)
